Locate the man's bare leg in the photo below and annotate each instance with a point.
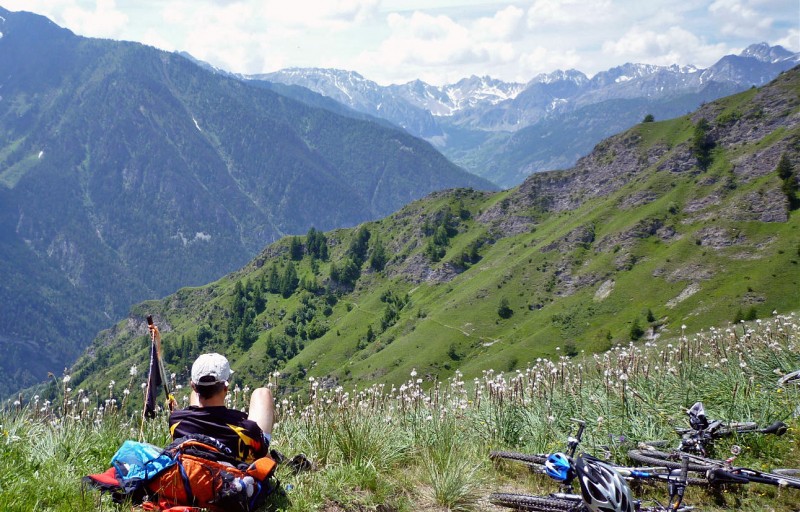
(262, 409)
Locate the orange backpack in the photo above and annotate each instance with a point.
(206, 475)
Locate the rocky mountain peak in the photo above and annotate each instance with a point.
(766, 53)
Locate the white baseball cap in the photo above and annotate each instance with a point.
(209, 369)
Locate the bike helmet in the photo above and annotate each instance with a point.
(602, 488)
(558, 467)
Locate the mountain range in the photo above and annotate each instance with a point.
(127, 172)
(660, 231)
(506, 131)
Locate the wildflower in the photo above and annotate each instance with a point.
(65, 379)
(133, 371)
(413, 372)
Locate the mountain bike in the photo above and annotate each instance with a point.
(572, 502)
(537, 463)
(697, 441)
(699, 438)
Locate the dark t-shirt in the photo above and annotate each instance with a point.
(228, 426)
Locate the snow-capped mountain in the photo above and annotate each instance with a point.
(462, 118)
(523, 104)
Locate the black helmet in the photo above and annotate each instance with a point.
(697, 416)
(602, 487)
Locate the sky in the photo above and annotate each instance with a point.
(436, 41)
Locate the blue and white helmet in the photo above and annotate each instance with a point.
(558, 467)
(602, 487)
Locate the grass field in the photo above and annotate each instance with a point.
(424, 445)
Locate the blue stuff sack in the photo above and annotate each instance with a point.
(136, 463)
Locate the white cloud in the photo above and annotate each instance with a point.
(792, 40)
(98, 18)
(506, 24)
(739, 18)
(434, 40)
(669, 46)
(443, 49)
(103, 20)
(545, 60)
(569, 12)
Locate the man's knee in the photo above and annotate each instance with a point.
(263, 396)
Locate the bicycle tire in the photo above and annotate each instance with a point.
(659, 443)
(790, 378)
(540, 503)
(665, 460)
(740, 427)
(786, 471)
(528, 458)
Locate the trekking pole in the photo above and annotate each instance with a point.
(155, 337)
(154, 375)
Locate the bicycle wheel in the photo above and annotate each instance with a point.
(527, 458)
(740, 427)
(660, 443)
(787, 471)
(790, 378)
(672, 460)
(540, 503)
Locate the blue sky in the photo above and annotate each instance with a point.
(437, 41)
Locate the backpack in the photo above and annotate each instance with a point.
(193, 471)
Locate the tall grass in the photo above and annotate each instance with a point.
(424, 445)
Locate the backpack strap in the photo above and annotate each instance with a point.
(186, 484)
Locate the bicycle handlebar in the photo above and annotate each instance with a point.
(778, 428)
